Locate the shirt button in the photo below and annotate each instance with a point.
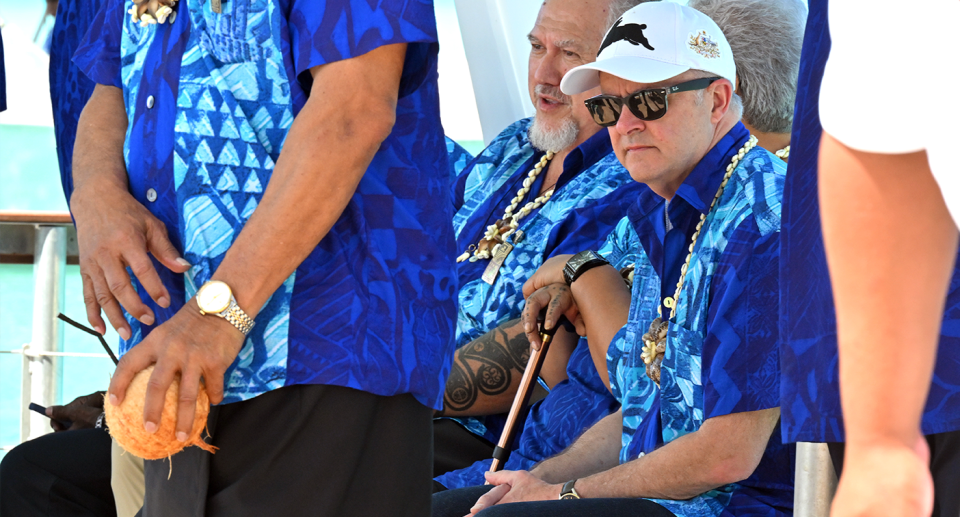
(151, 195)
(150, 102)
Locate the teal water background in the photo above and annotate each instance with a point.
(30, 180)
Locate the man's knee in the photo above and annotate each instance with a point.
(21, 480)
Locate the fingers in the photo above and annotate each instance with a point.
(60, 413)
(213, 383)
(90, 301)
(531, 311)
(142, 268)
(560, 302)
(529, 287)
(121, 288)
(132, 363)
(187, 402)
(160, 380)
(106, 301)
(490, 498)
(158, 243)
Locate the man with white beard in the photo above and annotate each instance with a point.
(545, 186)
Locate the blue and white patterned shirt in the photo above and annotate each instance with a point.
(210, 99)
(722, 346)
(810, 388)
(591, 195)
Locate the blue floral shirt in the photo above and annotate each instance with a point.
(810, 387)
(591, 195)
(723, 344)
(210, 99)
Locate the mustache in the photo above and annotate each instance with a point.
(551, 91)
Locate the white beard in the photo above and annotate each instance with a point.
(553, 139)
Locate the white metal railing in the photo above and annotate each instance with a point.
(42, 371)
(26, 351)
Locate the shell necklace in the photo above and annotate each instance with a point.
(494, 239)
(784, 153)
(655, 340)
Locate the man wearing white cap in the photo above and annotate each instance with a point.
(700, 388)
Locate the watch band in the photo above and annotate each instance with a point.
(568, 492)
(235, 315)
(580, 264)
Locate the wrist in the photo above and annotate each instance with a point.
(100, 186)
(579, 264)
(92, 192)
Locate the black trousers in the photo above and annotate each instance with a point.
(302, 451)
(457, 503)
(944, 467)
(64, 474)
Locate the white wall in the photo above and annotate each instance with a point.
(495, 41)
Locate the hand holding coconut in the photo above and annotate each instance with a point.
(188, 347)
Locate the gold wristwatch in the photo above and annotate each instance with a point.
(216, 298)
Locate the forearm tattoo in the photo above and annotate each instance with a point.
(486, 366)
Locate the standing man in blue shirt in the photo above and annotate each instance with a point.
(699, 388)
(811, 388)
(284, 164)
(548, 184)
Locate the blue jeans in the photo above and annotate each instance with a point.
(457, 503)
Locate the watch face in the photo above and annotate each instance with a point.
(214, 297)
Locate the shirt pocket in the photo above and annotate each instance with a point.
(238, 34)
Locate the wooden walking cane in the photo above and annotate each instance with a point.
(502, 451)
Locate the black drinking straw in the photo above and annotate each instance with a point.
(89, 330)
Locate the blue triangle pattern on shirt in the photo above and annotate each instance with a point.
(228, 181)
(253, 184)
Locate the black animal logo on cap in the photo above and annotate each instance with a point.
(630, 32)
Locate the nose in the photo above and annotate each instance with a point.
(628, 122)
(547, 70)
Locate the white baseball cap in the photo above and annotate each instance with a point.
(653, 42)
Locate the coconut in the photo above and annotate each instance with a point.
(126, 421)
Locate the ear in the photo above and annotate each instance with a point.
(720, 94)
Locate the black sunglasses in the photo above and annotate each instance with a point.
(645, 104)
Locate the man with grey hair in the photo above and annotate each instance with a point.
(766, 37)
(693, 336)
(546, 185)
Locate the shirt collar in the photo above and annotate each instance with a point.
(585, 155)
(701, 185)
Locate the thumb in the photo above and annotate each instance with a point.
(495, 478)
(165, 252)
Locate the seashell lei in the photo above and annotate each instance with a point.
(151, 12)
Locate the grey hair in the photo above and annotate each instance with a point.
(615, 10)
(736, 103)
(766, 37)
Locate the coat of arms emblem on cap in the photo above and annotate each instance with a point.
(704, 45)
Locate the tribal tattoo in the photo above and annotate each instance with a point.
(486, 366)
